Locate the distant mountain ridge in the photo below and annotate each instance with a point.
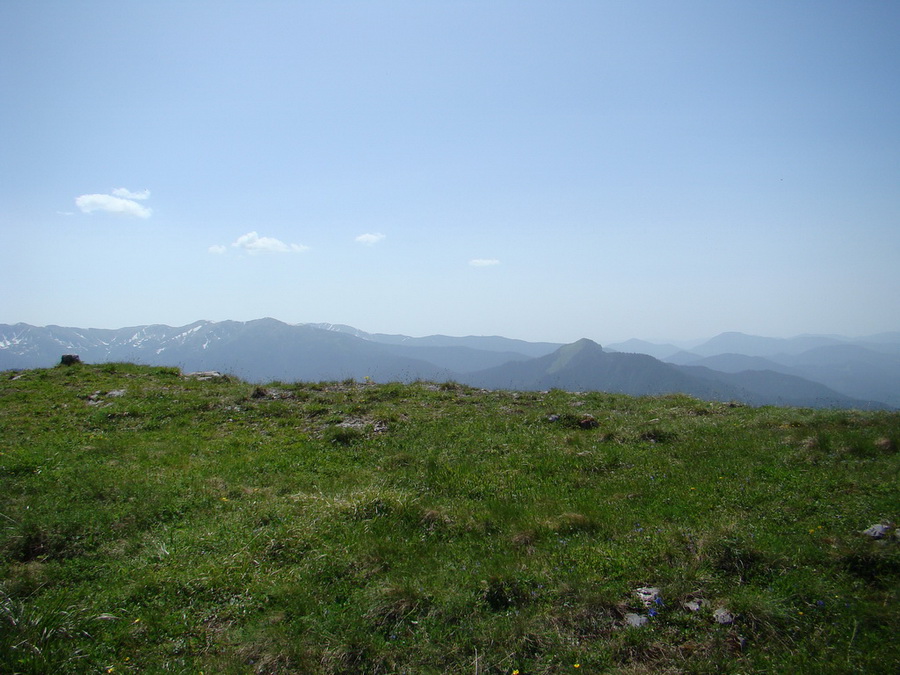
(808, 371)
(584, 366)
(493, 343)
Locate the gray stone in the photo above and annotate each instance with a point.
(879, 530)
(588, 422)
(635, 620)
(648, 595)
(205, 375)
(723, 616)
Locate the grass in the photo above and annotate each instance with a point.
(151, 522)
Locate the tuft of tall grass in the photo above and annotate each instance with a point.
(50, 638)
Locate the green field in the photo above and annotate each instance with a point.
(151, 522)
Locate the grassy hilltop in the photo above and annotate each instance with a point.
(151, 522)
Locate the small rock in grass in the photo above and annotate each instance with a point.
(116, 393)
(885, 444)
(635, 620)
(588, 422)
(648, 595)
(205, 375)
(879, 530)
(693, 605)
(723, 616)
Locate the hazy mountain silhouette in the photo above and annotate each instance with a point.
(728, 363)
(832, 373)
(635, 346)
(754, 345)
(261, 350)
(584, 366)
(851, 369)
(767, 387)
(491, 343)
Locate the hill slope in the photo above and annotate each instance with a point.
(154, 522)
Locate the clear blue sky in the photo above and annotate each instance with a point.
(540, 170)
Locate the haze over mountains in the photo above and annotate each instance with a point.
(812, 371)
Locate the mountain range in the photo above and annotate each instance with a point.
(808, 371)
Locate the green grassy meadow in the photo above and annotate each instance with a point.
(151, 522)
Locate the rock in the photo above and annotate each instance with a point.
(204, 375)
(879, 530)
(588, 422)
(553, 418)
(649, 595)
(885, 444)
(693, 605)
(116, 393)
(69, 359)
(723, 616)
(635, 620)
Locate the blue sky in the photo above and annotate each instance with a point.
(540, 170)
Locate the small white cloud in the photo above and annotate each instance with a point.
(370, 239)
(128, 194)
(253, 243)
(111, 204)
(65, 213)
(484, 262)
(218, 249)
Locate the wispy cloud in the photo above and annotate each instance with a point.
(252, 243)
(115, 203)
(370, 238)
(125, 193)
(484, 262)
(218, 249)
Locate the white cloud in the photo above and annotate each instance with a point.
(218, 249)
(253, 243)
(484, 262)
(112, 204)
(370, 239)
(125, 193)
